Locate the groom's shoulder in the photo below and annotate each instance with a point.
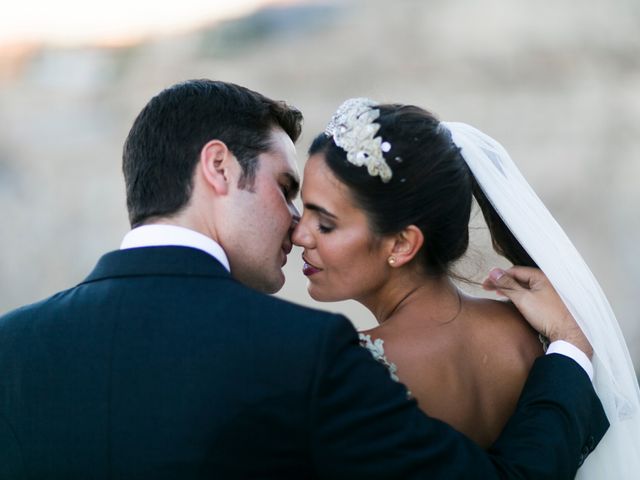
(270, 312)
(18, 326)
(284, 308)
(31, 310)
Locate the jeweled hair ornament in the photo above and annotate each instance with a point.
(354, 129)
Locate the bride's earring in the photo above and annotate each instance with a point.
(391, 260)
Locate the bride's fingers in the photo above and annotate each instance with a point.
(506, 284)
(489, 284)
(536, 299)
(500, 280)
(527, 276)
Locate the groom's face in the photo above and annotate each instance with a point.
(262, 218)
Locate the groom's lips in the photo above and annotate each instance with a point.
(308, 269)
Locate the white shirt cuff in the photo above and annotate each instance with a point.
(569, 350)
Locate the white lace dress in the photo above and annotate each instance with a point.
(376, 348)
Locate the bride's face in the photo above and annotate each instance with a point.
(343, 258)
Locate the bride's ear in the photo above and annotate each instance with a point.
(406, 245)
(218, 166)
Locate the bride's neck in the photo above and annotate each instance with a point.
(406, 292)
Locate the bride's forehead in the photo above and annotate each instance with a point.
(329, 193)
(318, 175)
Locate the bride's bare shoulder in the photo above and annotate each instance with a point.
(498, 318)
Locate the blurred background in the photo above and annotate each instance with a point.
(558, 83)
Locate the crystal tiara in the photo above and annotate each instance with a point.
(353, 129)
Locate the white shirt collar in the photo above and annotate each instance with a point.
(164, 235)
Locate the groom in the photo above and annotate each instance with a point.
(169, 362)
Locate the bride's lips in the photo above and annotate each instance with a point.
(309, 269)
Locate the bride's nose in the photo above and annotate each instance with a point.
(301, 236)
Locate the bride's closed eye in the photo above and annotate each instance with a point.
(322, 215)
(324, 228)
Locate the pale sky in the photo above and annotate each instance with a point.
(69, 22)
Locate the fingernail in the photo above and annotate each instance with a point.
(496, 274)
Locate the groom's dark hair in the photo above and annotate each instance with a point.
(164, 143)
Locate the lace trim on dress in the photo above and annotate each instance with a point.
(376, 348)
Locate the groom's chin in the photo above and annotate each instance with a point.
(273, 284)
(263, 281)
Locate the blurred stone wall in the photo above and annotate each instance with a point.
(558, 83)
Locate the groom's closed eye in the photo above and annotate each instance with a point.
(290, 186)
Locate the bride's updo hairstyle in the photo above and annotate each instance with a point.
(430, 186)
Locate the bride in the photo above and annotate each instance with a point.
(387, 197)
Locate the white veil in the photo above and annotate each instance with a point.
(618, 454)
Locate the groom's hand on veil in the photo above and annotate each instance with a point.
(536, 299)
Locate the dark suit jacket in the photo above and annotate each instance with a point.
(161, 366)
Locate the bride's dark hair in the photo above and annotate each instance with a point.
(431, 188)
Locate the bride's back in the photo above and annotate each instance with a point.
(388, 235)
(467, 371)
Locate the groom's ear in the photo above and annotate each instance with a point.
(406, 245)
(219, 167)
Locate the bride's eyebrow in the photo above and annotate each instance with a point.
(319, 209)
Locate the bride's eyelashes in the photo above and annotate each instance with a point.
(323, 217)
(324, 228)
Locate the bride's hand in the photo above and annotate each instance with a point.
(536, 299)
